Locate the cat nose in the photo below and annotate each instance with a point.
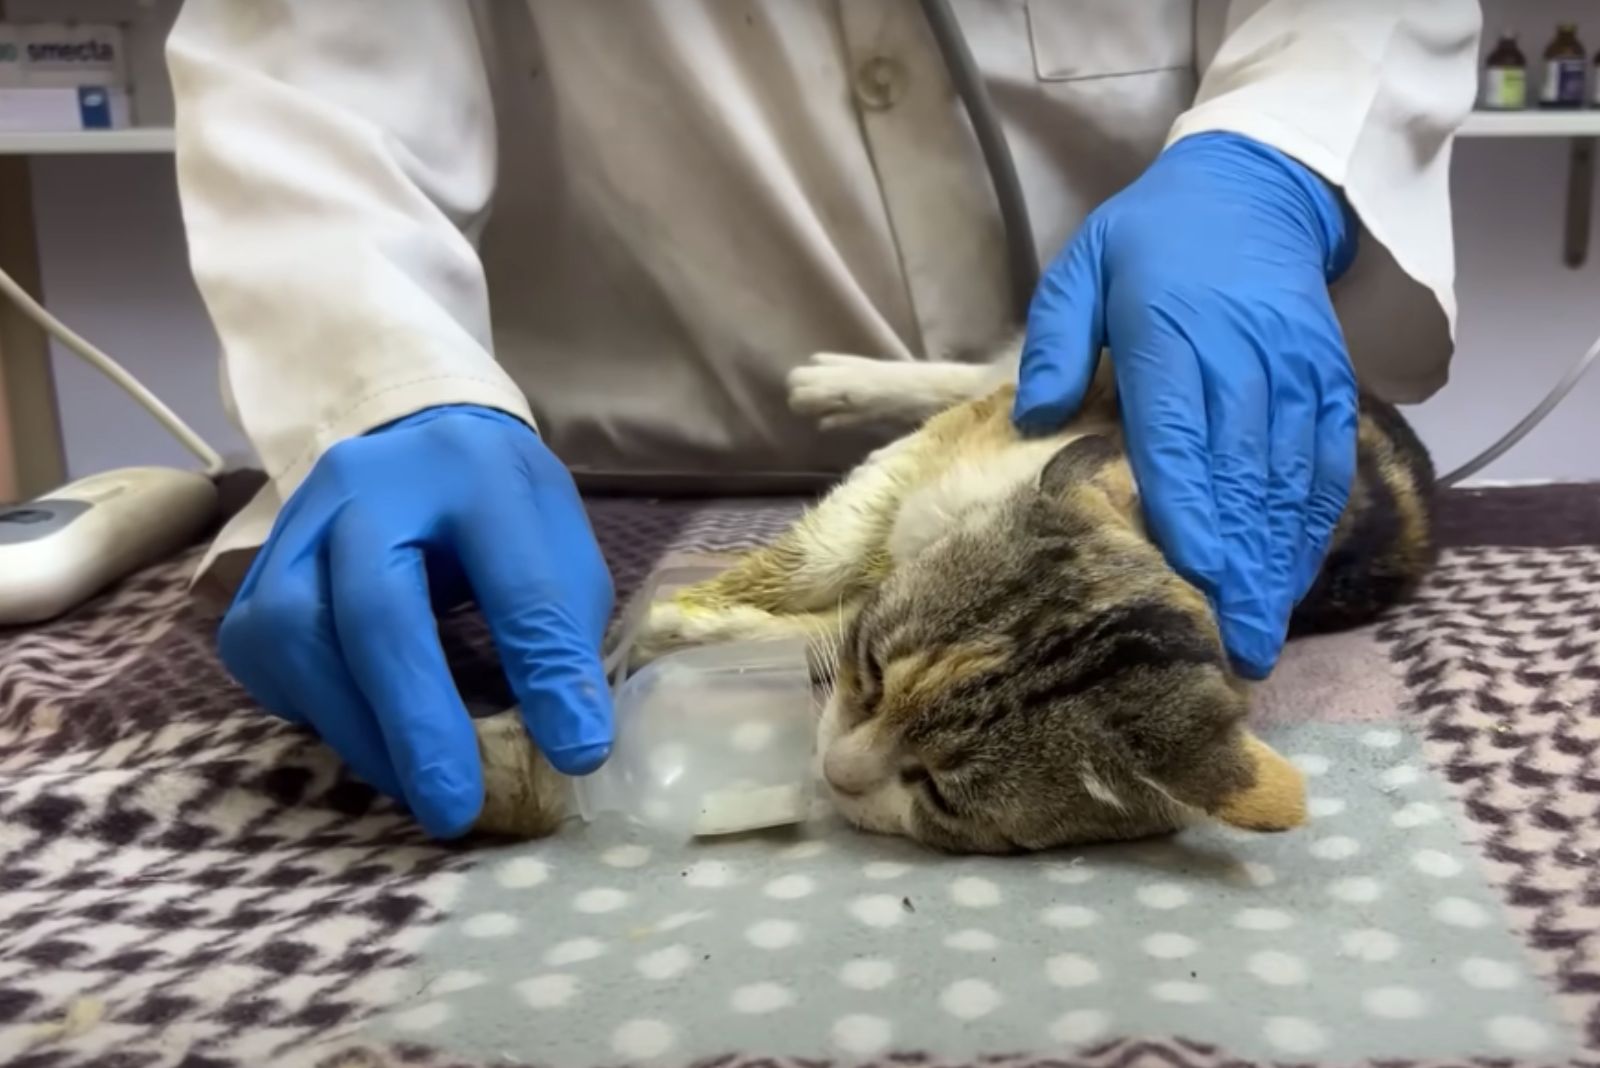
(852, 769)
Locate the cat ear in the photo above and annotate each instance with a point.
(1275, 797)
(1093, 460)
(1077, 462)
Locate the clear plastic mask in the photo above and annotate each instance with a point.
(713, 740)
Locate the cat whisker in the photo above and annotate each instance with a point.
(823, 646)
(820, 645)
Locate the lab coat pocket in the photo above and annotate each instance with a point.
(1078, 39)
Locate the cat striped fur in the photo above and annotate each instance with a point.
(1012, 665)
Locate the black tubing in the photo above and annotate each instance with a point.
(1021, 259)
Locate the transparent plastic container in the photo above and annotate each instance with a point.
(713, 740)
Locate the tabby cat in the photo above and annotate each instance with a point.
(1013, 665)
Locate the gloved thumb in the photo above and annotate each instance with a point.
(1066, 331)
(566, 705)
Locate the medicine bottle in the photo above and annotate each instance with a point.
(1566, 68)
(1505, 76)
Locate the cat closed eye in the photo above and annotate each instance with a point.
(867, 679)
(917, 777)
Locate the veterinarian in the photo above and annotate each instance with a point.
(668, 204)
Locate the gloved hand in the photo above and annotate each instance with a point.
(334, 624)
(1207, 279)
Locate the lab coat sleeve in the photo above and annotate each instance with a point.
(1368, 93)
(335, 161)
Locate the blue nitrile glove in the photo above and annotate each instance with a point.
(334, 624)
(1207, 279)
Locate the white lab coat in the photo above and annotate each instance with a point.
(669, 203)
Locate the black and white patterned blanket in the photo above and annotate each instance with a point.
(186, 881)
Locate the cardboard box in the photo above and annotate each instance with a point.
(87, 107)
(70, 55)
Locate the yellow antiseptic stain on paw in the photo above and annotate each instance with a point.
(692, 604)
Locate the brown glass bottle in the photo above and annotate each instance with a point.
(1566, 68)
(1505, 76)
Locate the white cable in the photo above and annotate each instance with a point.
(114, 371)
(1528, 422)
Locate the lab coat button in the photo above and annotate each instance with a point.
(880, 83)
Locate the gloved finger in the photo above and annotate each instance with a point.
(546, 595)
(1293, 452)
(240, 639)
(1163, 401)
(246, 637)
(1238, 419)
(280, 644)
(1333, 472)
(316, 678)
(387, 632)
(1066, 331)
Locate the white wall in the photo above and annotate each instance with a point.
(114, 267)
(112, 253)
(1525, 317)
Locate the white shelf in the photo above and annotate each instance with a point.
(1532, 124)
(147, 139)
(156, 139)
(1529, 123)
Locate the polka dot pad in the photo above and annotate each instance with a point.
(1368, 934)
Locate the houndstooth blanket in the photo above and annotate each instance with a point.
(186, 881)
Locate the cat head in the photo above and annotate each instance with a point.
(1042, 678)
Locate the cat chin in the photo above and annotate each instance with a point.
(860, 814)
(886, 810)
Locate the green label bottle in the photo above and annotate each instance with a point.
(1505, 76)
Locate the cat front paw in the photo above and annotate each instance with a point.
(665, 628)
(839, 390)
(683, 623)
